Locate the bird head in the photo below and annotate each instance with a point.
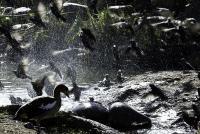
(64, 89)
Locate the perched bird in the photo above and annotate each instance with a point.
(76, 91)
(55, 7)
(87, 38)
(71, 73)
(22, 69)
(198, 75)
(39, 84)
(134, 48)
(55, 69)
(42, 107)
(196, 110)
(1, 86)
(120, 77)
(190, 119)
(158, 92)
(116, 53)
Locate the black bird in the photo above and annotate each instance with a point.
(56, 11)
(36, 19)
(88, 38)
(134, 48)
(76, 91)
(116, 53)
(22, 69)
(190, 119)
(5, 30)
(158, 92)
(196, 110)
(36, 16)
(42, 107)
(92, 5)
(1, 86)
(55, 69)
(198, 75)
(39, 84)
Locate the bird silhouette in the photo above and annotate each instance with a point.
(192, 121)
(55, 7)
(22, 70)
(116, 53)
(88, 39)
(71, 73)
(37, 15)
(39, 84)
(134, 48)
(6, 31)
(55, 69)
(158, 92)
(76, 91)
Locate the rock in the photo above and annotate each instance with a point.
(123, 117)
(72, 10)
(91, 110)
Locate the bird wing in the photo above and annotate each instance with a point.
(36, 107)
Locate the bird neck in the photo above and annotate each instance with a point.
(57, 94)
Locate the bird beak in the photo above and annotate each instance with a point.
(67, 94)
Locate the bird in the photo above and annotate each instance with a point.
(196, 110)
(55, 7)
(36, 19)
(134, 47)
(22, 69)
(189, 119)
(37, 16)
(1, 86)
(158, 92)
(71, 73)
(5, 30)
(116, 53)
(55, 69)
(76, 91)
(92, 5)
(88, 39)
(42, 107)
(39, 84)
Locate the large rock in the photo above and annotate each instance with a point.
(92, 110)
(122, 116)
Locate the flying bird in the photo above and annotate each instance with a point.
(6, 31)
(39, 84)
(88, 39)
(22, 70)
(55, 7)
(55, 69)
